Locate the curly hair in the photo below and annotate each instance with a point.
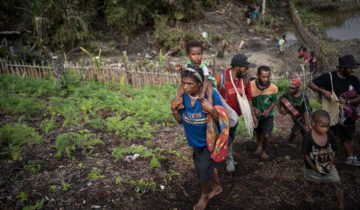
(263, 68)
(191, 44)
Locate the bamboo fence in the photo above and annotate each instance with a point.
(138, 74)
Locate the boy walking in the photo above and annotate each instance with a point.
(319, 148)
(264, 99)
(300, 102)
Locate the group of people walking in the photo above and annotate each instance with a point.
(208, 108)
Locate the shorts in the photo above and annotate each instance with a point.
(313, 176)
(265, 125)
(297, 128)
(345, 131)
(203, 163)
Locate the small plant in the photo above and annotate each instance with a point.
(180, 139)
(177, 154)
(33, 166)
(142, 186)
(80, 165)
(48, 125)
(38, 205)
(23, 197)
(53, 188)
(68, 142)
(65, 185)
(170, 175)
(94, 174)
(119, 180)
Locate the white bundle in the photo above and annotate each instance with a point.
(244, 107)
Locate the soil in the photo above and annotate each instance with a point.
(273, 184)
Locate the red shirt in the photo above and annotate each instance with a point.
(229, 94)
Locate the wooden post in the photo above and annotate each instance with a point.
(58, 67)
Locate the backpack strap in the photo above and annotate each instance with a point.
(213, 80)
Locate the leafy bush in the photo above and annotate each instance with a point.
(315, 105)
(18, 136)
(283, 85)
(68, 142)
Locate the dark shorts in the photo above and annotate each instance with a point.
(203, 163)
(265, 126)
(345, 131)
(297, 128)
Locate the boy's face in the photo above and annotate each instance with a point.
(264, 77)
(195, 55)
(293, 91)
(322, 126)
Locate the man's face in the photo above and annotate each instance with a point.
(348, 71)
(190, 86)
(264, 78)
(241, 71)
(293, 91)
(195, 55)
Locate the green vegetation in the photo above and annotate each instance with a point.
(94, 174)
(65, 186)
(17, 136)
(22, 196)
(38, 205)
(171, 174)
(71, 141)
(142, 186)
(64, 25)
(53, 188)
(33, 166)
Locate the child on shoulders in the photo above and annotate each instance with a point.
(194, 50)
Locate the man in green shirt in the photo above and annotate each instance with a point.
(264, 99)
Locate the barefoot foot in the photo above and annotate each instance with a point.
(258, 150)
(216, 191)
(264, 156)
(201, 204)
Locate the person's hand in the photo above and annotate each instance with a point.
(178, 67)
(327, 95)
(257, 112)
(206, 106)
(256, 123)
(266, 113)
(282, 111)
(175, 104)
(342, 101)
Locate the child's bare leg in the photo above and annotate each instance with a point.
(204, 197)
(210, 92)
(259, 138)
(180, 93)
(308, 197)
(265, 144)
(217, 189)
(339, 194)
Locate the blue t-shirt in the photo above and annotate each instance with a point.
(194, 120)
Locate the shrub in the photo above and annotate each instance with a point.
(18, 136)
(68, 142)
